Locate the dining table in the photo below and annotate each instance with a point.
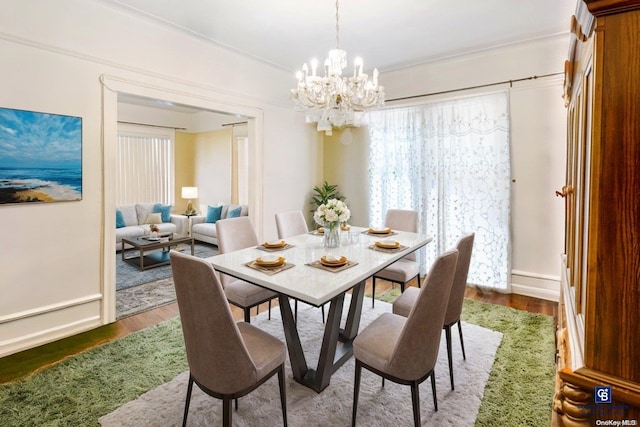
(299, 274)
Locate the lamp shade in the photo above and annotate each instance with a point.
(189, 192)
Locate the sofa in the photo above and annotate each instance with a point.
(135, 220)
(203, 227)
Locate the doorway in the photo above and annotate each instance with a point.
(115, 92)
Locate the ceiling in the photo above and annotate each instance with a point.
(386, 34)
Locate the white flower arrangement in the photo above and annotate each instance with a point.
(332, 213)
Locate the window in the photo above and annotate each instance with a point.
(450, 161)
(145, 165)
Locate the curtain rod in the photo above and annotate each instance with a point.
(475, 87)
(151, 126)
(235, 124)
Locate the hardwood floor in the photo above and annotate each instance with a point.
(29, 361)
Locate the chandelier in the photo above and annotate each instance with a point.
(334, 101)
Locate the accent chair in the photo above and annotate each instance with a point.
(405, 269)
(227, 360)
(235, 234)
(406, 301)
(405, 349)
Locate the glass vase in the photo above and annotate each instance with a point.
(332, 236)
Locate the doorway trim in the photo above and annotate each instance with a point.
(179, 94)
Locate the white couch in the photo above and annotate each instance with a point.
(136, 225)
(206, 231)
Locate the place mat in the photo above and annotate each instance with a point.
(388, 250)
(393, 233)
(269, 270)
(281, 248)
(318, 264)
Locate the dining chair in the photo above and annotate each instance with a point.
(292, 223)
(405, 349)
(227, 360)
(235, 234)
(405, 269)
(405, 302)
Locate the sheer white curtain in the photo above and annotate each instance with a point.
(145, 165)
(450, 161)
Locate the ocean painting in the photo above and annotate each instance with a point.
(40, 157)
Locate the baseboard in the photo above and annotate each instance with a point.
(32, 328)
(535, 285)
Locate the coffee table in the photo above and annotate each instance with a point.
(160, 248)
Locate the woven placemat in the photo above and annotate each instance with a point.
(388, 250)
(281, 248)
(318, 264)
(269, 270)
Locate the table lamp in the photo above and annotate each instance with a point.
(190, 193)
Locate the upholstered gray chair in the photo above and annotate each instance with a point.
(405, 349)
(226, 360)
(405, 302)
(235, 234)
(405, 269)
(292, 223)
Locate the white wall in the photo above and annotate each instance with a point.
(57, 260)
(538, 130)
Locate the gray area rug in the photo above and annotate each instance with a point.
(378, 406)
(144, 297)
(128, 275)
(138, 291)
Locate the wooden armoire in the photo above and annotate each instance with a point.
(599, 316)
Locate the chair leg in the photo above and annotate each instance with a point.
(402, 285)
(187, 401)
(295, 311)
(464, 356)
(283, 395)
(235, 401)
(433, 390)
(418, 280)
(322, 308)
(373, 292)
(356, 392)
(269, 309)
(447, 332)
(415, 400)
(247, 315)
(226, 411)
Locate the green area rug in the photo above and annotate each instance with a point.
(82, 388)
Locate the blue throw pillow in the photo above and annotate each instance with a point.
(213, 214)
(235, 213)
(164, 211)
(119, 219)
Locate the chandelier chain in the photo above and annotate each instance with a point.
(337, 26)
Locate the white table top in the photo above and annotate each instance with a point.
(314, 285)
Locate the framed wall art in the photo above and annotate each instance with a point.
(40, 157)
